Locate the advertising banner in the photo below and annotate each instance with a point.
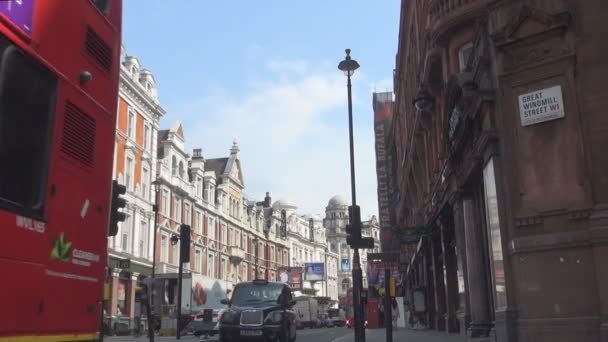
(315, 271)
(345, 265)
(375, 273)
(291, 276)
(19, 12)
(207, 293)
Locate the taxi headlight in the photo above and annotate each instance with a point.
(274, 317)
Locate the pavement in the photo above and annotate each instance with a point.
(402, 334)
(303, 335)
(324, 335)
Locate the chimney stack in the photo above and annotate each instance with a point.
(267, 200)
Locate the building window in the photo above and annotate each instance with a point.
(173, 166)
(211, 228)
(199, 223)
(187, 214)
(147, 137)
(224, 234)
(27, 102)
(145, 178)
(197, 261)
(176, 254)
(165, 203)
(210, 266)
(129, 174)
(163, 248)
(131, 123)
(181, 169)
(143, 230)
(495, 243)
(206, 194)
(124, 243)
(464, 53)
(177, 210)
(222, 274)
(199, 187)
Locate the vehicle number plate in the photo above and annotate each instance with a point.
(251, 332)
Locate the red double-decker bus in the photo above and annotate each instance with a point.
(59, 69)
(350, 309)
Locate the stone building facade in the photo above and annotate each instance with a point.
(233, 236)
(501, 181)
(335, 221)
(308, 244)
(139, 114)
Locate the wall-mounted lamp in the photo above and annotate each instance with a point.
(424, 101)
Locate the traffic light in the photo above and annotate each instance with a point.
(353, 230)
(117, 203)
(184, 243)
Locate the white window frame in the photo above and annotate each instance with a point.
(129, 171)
(147, 137)
(177, 209)
(199, 222)
(211, 228)
(126, 231)
(187, 214)
(143, 240)
(224, 228)
(175, 251)
(197, 260)
(164, 248)
(210, 265)
(165, 202)
(145, 182)
(131, 124)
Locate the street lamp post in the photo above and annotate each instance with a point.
(152, 291)
(255, 257)
(348, 66)
(326, 273)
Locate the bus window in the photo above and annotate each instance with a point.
(27, 99)
(102, 5)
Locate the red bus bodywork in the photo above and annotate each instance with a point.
(350, 310)
(53, 254)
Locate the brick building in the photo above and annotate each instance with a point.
(139, 114)
(227, 227)
(498, 181)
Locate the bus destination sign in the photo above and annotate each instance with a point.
(19, 12)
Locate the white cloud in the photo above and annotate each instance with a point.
(382, 85)
(293, 136)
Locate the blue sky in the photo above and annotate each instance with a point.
(265, 73)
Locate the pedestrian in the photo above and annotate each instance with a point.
(395, 312)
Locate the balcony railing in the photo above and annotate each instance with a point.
(237, 254)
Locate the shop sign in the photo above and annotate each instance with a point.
(542, 105)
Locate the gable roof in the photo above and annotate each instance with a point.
(218, 165)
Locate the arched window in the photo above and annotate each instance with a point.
(181, 169)
(345, 284)
(174, 166)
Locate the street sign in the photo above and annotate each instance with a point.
(384, 257)
(124, 264)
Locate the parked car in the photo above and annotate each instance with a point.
(206, 323)
(338, 322)
(258, 309)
